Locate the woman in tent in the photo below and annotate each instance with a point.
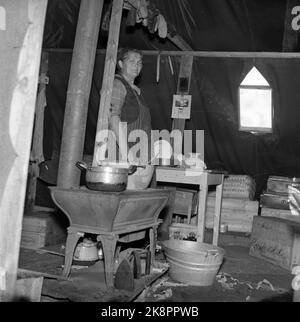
(129, 107)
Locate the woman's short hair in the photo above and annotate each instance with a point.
(124, 52)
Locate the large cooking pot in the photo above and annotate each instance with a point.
(111, 177)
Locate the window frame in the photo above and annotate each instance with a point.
(252, 128)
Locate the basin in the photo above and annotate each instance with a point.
(192, 262)
(109, 215)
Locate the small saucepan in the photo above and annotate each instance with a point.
(111, 177)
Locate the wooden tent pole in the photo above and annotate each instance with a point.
(184, 72)
(109, 72)
(21, 53)
(36, 155)
(205, 54)
(79, 86)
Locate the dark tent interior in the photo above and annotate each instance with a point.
(231, 25)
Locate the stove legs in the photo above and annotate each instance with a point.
(152, 240)
(72, 240)
(109, 246)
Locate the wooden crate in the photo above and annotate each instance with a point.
(279, 213)
(280, 184)
(236, 213)
(276, 240)
(29, 289)
(274, 200)
(238, 186)
(182, 231)
(41, 229)
(185, 202)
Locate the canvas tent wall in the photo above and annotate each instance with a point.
(214, 89)
(227, 25)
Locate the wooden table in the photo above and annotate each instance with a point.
(203, 179)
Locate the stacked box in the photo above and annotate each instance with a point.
(275, 199)
(238, 186)
(276, 240)
(185, 202)
(238, 206)
(236, 213)
(279, 213)
(279, 184)
(40, 229)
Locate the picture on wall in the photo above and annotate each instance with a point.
(181, 108)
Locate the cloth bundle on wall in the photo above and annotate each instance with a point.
(150, 17)
(106, 18)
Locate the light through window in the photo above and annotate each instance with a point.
(2, 19)
(255, 103)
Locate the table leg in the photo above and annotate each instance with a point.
(167, 212)
(202, 208)
(72, 239)
(218, 208)
(108, 245)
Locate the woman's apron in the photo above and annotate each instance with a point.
(142, 177)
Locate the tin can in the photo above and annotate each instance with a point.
(223, 228)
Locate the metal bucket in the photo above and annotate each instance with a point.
(193, 263)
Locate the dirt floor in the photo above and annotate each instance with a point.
(241, 278)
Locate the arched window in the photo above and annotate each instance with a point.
(255, 103)
(2, 18)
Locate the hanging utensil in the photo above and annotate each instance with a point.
(158, 68)
(171, 65)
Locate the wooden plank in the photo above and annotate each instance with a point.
(27, 272)
(235, 204)
(279, 213)
(36, 155)
(207, 54)
(42, 229)
(217, 217)
(109, 72)
(273, 239)
(184, 76)
(178, 41)
(181, 175)
(296, 249)
(167, 214)
(41, 208)
(25, 38)
(89, 286)
(202, 195)
(236, 213)
(29, 289)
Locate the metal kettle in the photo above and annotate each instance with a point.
(86, 251)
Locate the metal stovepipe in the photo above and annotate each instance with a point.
(79, 87)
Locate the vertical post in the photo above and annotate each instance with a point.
(290, 36)
(79, 86)
(36, 155)
(109, 72)
(202, 195)
(20, 55)
(185, 72)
